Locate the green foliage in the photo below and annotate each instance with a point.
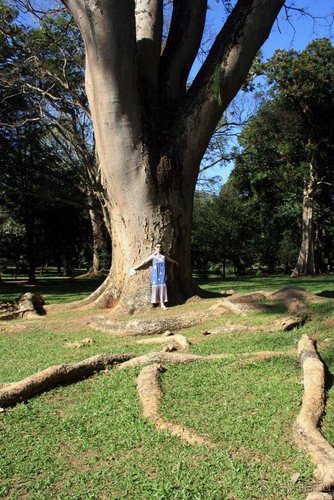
(293, 127)
(257, 218)
(42, 124)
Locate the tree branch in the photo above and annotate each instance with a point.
(109, 33)
(182, 45)
(223, 72)
(149, 35)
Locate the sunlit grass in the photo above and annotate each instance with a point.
(317, 284)
(89, 440)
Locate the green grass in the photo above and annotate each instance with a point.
(89, 440)
(54, 289)
(322, 285)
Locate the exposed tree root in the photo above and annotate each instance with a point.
(282, 324)
(149, 391)
(161, 357)
(289, 323)
(29, 305)
(319, 495)
(53, 376)
(87, 301)
(248, 358)
(16, 392)
(295, 300)
(182, 357)
(226, 306)
(241, 305)
(307, 422)
(150, 326)
(80, 343)
(295, 292)
(176, 342)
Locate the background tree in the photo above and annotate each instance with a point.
(274, 165)
(35, 179)
(305, 82)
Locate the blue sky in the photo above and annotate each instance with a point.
(284, 35)
(304, 29)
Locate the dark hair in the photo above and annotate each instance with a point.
(158, 243)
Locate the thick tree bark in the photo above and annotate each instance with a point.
(150, 132)
(305, 263)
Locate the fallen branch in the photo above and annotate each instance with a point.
(149, 391)
(56, 375)
(307, 423)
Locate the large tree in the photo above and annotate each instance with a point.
(151, 129)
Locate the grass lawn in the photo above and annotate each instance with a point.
(89, 439)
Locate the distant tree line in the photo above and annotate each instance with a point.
(276, 210)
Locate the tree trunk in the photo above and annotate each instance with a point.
(305, 262)
(150, 131)
(96, 220)
(30, 232)
(96, 243)
(135, 230)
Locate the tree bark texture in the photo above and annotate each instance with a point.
(151, 131)
(305, 263)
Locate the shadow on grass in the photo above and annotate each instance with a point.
(329, 377)
(55, 290)
(326, 293)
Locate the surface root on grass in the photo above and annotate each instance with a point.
(16, 392)
(150, 326)
(148, 387)
(176, 342)
(182, 357)
(29, 305)
(56, 375)
(307, 423)
(161, 357)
